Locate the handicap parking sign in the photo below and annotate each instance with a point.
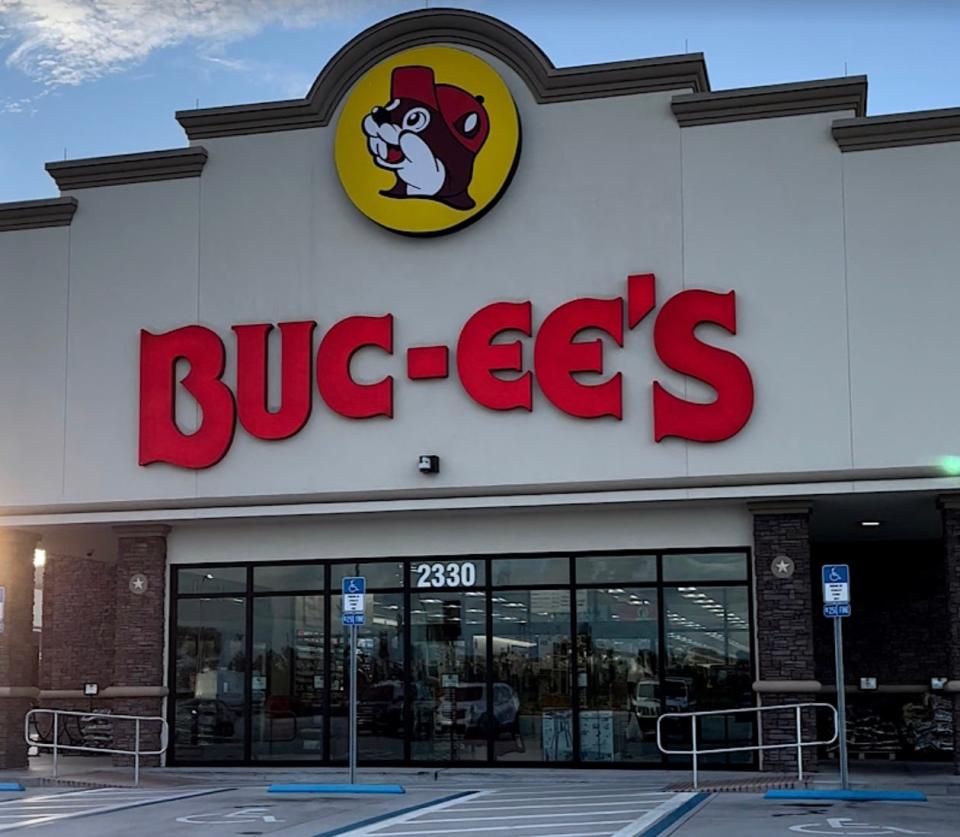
(836, 590)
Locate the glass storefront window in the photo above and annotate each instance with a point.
(531, 676)
(209, 581)
(381, 715)
(708, 663)
(210, 667)
(624, 569)
(709, 566)
(287, 678)
(380, 574)
(279, 577)
(617, 642)
(450, 699)
(530, 571)
(456, 666)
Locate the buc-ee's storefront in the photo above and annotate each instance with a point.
(587, 371)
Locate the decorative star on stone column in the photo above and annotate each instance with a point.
(138, 584)
(782, 566)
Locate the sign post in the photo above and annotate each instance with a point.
(836, 606)
(351, 608)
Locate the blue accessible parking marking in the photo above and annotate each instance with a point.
(53, 807)
(580, 812)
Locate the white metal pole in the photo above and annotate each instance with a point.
(56, 735)
(693, 731)
(136, 753)
(353, 704)
(799, 747)
(841, 700)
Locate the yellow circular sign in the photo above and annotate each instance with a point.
(427, 140)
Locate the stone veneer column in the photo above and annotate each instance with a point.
(784, 626)
(950, 510)
(139, 631)
(18, 690)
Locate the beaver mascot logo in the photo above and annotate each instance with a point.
(427, 140)
(429, 135)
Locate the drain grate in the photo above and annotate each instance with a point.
(745, 785)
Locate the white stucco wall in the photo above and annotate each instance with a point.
(650, 527)
(843, 265)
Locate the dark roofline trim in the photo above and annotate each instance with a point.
(431, 26)
(35, 215)
(895, 130)
(120, 169)
(772, 100)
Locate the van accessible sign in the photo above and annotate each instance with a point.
(560, 361)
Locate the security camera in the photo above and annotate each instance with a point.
(428, 463)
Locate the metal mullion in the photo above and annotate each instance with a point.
(172, 670)
(661, 644)
(488, 663)
(574, 664)
(248, 680)
(327, 750)
(408, 687)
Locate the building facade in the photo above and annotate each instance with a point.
(587, 371)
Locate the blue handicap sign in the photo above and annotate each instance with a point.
(836, 610)
(354, 584)
(836, 574)
(352, 618)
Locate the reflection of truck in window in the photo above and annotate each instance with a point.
(647, 694)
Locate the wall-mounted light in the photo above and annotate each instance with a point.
(39, 557)
(870, 523)
(428, 463)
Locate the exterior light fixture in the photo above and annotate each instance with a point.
(428, 463)
(869, 523)
(39, 557)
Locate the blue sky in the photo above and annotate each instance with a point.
(95, 77)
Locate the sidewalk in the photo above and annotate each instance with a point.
(935, 779)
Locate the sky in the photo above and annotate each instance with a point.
(84, 78)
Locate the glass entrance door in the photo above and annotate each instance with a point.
(450, 706)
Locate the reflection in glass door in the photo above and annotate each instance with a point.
(380, 692)
(531, 675)
(617, 640)
(708, 660)
(449, 700)
(287, 694)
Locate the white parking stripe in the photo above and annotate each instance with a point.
(60, 806)
(654, 816)
(498, 828)
(539, 798)
(537, 816)
(480, 810)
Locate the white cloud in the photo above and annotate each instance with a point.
(68, 42)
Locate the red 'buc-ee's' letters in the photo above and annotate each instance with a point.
(343, 394)
(483, 355)
(478, 357)
(678, 348)
(296, 392)
(556, 356)
(160, 438)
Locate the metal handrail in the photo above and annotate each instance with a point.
(799, 744)
(56, 746)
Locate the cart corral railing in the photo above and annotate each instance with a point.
(797, 744)
(48, 734)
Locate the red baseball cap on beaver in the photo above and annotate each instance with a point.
(454, 104)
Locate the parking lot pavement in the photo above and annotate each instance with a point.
(561, 812)
(558, 811)
(214, 813)
(750, 815)
(48, 807)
